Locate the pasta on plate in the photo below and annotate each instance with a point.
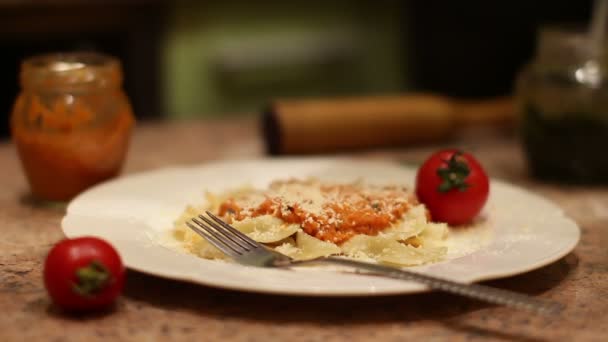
(306, 219)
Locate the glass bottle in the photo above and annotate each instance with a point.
(71, 122)
(562, 98)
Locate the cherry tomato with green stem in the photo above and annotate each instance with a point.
(83, 274)
(453, 186)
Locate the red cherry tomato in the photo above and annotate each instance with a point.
(83, 274)
(453, 186)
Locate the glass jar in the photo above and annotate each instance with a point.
(71, 122)
(562, 98)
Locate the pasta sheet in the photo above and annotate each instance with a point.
(412, 240)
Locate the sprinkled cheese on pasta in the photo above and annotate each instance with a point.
(329, 212)
(306, 219)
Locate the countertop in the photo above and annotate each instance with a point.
(153, 308)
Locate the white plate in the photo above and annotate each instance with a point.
(521, 231)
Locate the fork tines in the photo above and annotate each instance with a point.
(220, 234)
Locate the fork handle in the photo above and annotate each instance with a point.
(475, 291)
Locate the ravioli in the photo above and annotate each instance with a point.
(307, 219)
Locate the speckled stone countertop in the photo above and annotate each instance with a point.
(160, 309)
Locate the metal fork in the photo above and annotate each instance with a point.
(246, 251)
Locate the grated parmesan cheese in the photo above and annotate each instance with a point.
(333, 212)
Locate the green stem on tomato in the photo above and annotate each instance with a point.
(91, 278)
(453, 176)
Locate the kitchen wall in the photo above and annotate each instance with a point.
(187, 59)
(234, 56)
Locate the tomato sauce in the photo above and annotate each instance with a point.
(339, 220)
(71, 122)
(64, 153)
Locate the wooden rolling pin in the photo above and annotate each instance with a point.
(327, 125)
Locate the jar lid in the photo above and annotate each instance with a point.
(70, 69)
(564, 45)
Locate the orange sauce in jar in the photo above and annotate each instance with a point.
(71, 123)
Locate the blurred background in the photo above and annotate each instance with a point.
(187, 59)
